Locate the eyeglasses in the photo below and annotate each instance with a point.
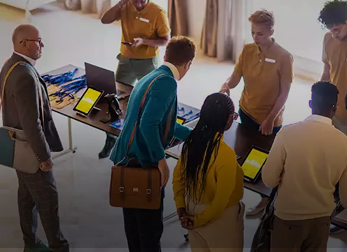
(32, 40)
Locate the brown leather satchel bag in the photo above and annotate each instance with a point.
(133, 186)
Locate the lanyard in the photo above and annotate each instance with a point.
(59, 79)
(70, 89)
(192, 118)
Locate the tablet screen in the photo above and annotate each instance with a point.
(88, 100)
(253, 163)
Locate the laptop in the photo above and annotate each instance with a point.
(101, 79)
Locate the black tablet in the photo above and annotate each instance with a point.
(180, 120)
(253, 163)
(88, 100)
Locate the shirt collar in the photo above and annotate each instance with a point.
(173, 69)
(30, 60)
(318, 118)
(270, 47)
(144, 10)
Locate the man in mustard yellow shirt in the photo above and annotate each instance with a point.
(334, 17)
(145, 27)
(267, 71)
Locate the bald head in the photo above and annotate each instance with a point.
(26, 40)
(23, 32)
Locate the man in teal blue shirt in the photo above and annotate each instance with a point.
(144, 228)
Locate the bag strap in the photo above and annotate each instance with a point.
(139, 117)
(271, 199)
(5, 81)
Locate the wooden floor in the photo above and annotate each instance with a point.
(88, 222)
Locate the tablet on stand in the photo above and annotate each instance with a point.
(87, 102)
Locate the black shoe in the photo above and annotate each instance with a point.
(110, 141)
(38, 247)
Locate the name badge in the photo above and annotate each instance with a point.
(144, 20)
(270, 60)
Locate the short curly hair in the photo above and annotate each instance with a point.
(264, 17)
(333, 13)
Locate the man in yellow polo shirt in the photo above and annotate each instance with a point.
(267, 71)
(145, 27)
(334, 17)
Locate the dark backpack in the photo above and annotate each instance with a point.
(262, 237)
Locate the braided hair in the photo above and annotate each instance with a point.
(204, 141)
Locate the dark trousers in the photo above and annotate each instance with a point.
(251, 124)
(144, 228)
(37, 194)
(300, 236)
(254, 126)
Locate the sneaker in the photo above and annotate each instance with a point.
(259, 208)
(335, 230)
(255, 211)
(109, 143)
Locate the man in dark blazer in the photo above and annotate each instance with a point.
(37, 193)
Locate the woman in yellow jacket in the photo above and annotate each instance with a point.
(208, 182)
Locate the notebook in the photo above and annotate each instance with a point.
(118, 124)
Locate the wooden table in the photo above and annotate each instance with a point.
(241, 140)
(93, 119)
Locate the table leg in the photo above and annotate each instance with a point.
(71, 147)
(70, 135)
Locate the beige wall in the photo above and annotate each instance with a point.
(297, 28)
(162, 3)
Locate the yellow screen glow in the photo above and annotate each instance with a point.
(253, 163)
(180, 121)
(88, 100)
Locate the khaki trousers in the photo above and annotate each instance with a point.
(300, 236)
(224, 234)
